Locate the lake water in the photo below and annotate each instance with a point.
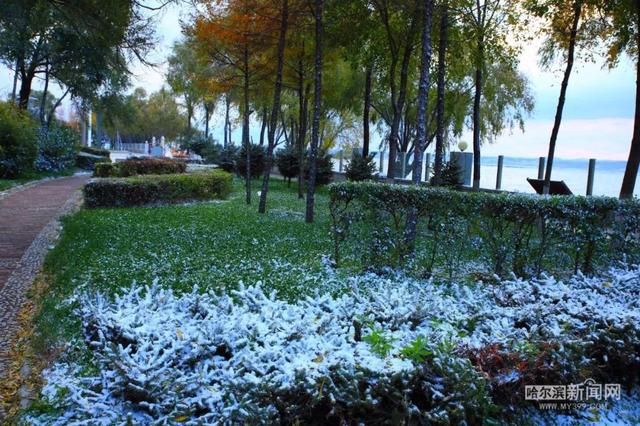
(607, 182)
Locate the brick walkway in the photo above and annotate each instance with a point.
(28, 226)
(23, 214)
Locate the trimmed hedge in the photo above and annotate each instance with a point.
(150, 166)
(106, 169)
(140, 166)
(501, 233)
(140, 190)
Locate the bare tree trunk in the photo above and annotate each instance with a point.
(302, 138)
(631, 171)
(15, 82)
(366, 111)
(99, 126)
(399, 107)
(423, 98)
(245, 125)
(189, 116)
(26, 80)
(43, 102)
(55, 106)
(263, 127)
(226, 121)
(317, 106)
(476, 115)
(83, 129)
(423, 91)
(442, 68)
(275, 110)
(207, 117)
(563, 94)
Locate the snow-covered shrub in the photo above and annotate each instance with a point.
(522, 234)
(252, 358)
(57, 148)
(391, 350)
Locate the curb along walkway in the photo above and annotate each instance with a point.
(28, 225)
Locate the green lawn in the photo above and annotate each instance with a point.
(215, 245)
(9, 183)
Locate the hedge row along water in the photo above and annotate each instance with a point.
(140, 190)
(504, 233)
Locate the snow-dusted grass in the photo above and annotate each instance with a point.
(224, 315)
(212, 245)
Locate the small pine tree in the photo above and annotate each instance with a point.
(258, 154)
(361, 168)
(288, 163)
(451, 175)
(324, 169)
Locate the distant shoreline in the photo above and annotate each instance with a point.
(525, 162)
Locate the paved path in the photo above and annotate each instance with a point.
(28, 225)
(23, 214)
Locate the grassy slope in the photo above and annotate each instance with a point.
(211, 245)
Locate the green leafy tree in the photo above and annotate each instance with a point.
(139, 117)
(487, 25)
(621, 34)
(568, 27)
(82, 45)
(184, 75)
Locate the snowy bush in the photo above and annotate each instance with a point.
(57, 147)
(391, 350)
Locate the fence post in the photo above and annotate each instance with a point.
(499, 177)
(403, 166)
(590, 178)
(340, 159)
(541, 164)
(427, 166)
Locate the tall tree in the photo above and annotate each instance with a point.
(183, 77)
(423, 90)
(577, 12)
(621, 33)
(230, 36)
(423, 98)
(275, 110)
(561, 26)
(488, 24)
(44, 36)
(317, 110)
(442, 67)
(366, 114)
(399, 19)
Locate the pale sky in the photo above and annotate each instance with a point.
(598, 114)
